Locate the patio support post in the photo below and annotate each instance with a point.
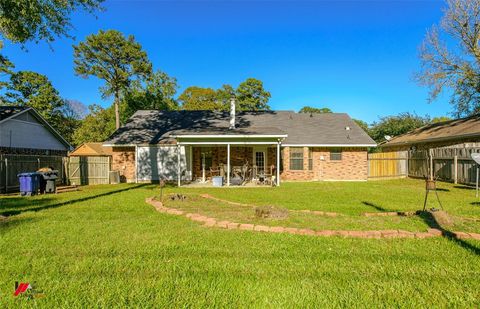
(278, 164)
(228, 164)
(178, 164)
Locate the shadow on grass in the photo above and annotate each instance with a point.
(430, 220)
(10, 213)
(475, 203)
(7, 224)
(22, 202)
(379, 208)
(464, 187)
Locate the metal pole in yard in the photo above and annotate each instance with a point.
(228, 164)
(278, 164)
(476, 184)
(178, 164)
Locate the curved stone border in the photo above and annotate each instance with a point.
(314, 212)
(213, 222)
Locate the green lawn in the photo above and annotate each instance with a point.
(105, 247)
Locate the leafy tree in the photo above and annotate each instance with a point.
(396, 125)
(362, 124)
(224, 95)
(116, 59)
(35, 90)
(440, 119)
(6, 67)
(156, 93)
(97, 126)
(197, 98)
(24, 20)
(252, 96)
(450, 56)
(314, 110)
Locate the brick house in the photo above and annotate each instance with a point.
(195, 145)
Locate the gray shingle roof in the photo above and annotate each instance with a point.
(158, 127)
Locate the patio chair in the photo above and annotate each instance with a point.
(269, 177)
(214, 172)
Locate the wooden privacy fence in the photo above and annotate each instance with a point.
(12, 165)
(387, 165)
(91, 170)
(447, 164)
(452, 164)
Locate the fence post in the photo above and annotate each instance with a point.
(430, 152)
(455, 168)
(66, 163)
(38, 163)
(6, 175)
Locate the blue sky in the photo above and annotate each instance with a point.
(351, 56)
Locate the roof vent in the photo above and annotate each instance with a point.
(347, 128)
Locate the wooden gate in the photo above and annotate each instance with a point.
(88, 170)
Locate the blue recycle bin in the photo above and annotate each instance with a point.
(29, 183)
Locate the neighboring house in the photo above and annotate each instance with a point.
(463, 132)
(312, 146)
(91, 150)
(24, 131)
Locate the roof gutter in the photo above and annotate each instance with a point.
(329, 145)
(231, 136)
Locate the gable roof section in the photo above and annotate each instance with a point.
(162, 127)
(92, 149)
(10, 112)
(441, 131)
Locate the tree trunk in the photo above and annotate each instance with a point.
(117, 112)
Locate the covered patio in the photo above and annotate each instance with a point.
(241, 159)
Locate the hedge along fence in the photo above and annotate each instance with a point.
(12, 165)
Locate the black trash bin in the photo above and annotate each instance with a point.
(47, 181)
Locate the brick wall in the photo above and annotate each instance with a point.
(353, 166)
(123, 160)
